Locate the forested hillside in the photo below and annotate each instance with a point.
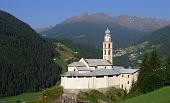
(83, 50)
(26, 59)
(159, 39)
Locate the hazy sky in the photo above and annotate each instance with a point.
(42, 13)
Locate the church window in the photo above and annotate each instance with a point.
(104, 52)
(109, 52)
(128, 76)
(109, 45)
(128, 82)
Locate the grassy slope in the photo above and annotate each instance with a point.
(23, 97)
(65, 53)
(158, 96)
(29, 97)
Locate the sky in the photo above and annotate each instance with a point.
(44, 13)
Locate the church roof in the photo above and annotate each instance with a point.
(77, 64)
(116, 70)
(123, 70)
(83, 69)
(76, 73)
(97, 62)
(102, 72)
(107, 31)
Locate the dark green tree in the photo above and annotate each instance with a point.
(154, 62)
(167, 71)
(154, 77)
(151, 74)
(142, 74)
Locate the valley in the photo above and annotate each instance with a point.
(111, 59)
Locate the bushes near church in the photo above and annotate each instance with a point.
(95, 96)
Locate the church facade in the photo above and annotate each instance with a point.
(98, 73)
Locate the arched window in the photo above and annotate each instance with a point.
(109, 52)
(109, 45)
(104, 52)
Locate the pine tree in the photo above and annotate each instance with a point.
(142, 73)
(154, 62)
(150, 74)
(167, 71)
(154, 78)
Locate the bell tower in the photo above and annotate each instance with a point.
(107, 46)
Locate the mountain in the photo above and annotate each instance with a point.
(141, 23)
(39, 30)
(89, 28)
(26, 59)
(159, 40)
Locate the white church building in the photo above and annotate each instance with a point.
(98, 73)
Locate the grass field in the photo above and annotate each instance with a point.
(25, 97)
(159, 96)
(62, 64)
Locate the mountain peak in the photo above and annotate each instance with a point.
(124, 15)
(89, 28)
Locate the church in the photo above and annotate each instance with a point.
(98, 73)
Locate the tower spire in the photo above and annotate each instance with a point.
(107, 31)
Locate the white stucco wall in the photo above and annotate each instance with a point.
(114, 81)
(99, 82)
(126, 81)
(83, 71)
(77, 83)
